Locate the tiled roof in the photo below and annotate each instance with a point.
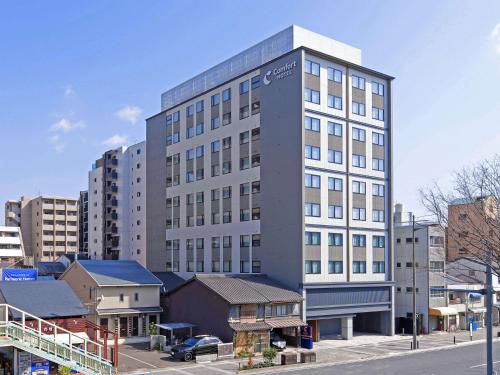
(257, 326)
(282, 323)
(44, 299)
(238, 289)
(119, 272)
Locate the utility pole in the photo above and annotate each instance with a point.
(489, 312)
(414, 289)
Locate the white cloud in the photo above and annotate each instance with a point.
(495, 35)
(55, 138)
(115, 140)
(66, 126)
(69, 91)
(129, 113)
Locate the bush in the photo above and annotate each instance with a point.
(62, 370)
(270, 354)
(153, 330)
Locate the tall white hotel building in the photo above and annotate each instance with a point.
(278, 161)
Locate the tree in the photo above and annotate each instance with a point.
(468, 210)
(270, 354)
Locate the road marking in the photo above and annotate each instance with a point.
(137, 359)
(484, 364)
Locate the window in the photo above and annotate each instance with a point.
(358, 108)
(312, 266)
(436, 266)
(378, 267)
(121, 297)
(200, 197)
(244, 137)
(377, 88)
(378, 241)
(334, 266)
(215, 147)
(378, 139)
(334, 129)
(311, 96)
(312, 152)
(256, 269)
(378, 164)
(311, 123)
(358, 267)
(244, 241)
(244, 266)
(334, 75)
(312, 181)
(358, 240)
(200, 128)
(437, 241)
(189, 154)
(215, 218)
(437, 293)
(226, 167)
(200, 106)
(255, 134)
(215, 194)
(255, 82)
(311, 67)
(255, 160)
(244, 112)
(312, 209)
(245, 215)
(189, 266)
(334, 184)
(226, 118)
(226, 266)
(227, 242)
(256, 213)
(312, 238)
(378, 216)
(215, 170)
(359, 214)
(226, 192)
(215, 100)
(199, 151)
(334, 102)
(244, 87)
(226, 217)
(335, 239)
(335, 212)
(136, 296)
(378, 113)
(255, 187)
(176, 116)
(335, 156)
(189, 111)
(358, 187)
(214, 123)
(226, 143)
(358, 82)
(358, 134)
(189, 176)
(255, 240)
(244, 163)
(378, 190)
(359, 161)
(244, 189)
(226, 95)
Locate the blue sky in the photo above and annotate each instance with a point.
(80, 77)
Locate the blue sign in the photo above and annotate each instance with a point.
(40, 367)
(19, 274)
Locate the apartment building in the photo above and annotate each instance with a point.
(278, 161)
(117, 205)
(11, 245)
(430, 263)
(13, 213)
(83, 222)
(49, 226)
(472, 227)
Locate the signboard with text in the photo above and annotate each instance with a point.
(19, 274)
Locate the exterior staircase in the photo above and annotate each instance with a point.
(90, 359)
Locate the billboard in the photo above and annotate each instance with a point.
(19, 274)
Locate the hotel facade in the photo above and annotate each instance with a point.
(279, 161)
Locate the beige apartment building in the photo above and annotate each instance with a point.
(49, 225)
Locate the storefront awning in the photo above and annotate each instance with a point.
(442, 311)
(477, 310)
(283, 323)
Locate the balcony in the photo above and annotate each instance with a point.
(114, 203)
(114, 175)
(112, 189)
(114, 161)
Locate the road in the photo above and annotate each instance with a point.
(468, 360)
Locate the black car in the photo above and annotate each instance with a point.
(194, 346)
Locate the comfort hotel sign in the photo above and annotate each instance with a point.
(280, 72)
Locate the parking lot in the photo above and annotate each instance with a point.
(136, 359)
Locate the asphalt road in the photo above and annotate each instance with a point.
(468, 360)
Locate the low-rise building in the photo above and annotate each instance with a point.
(11, 246)
(430, 257)
(122, 296)
(238, 308)
(466, 297)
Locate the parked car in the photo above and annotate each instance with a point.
(277, 342)
(193, 346)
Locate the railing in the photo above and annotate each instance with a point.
(93, 361)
